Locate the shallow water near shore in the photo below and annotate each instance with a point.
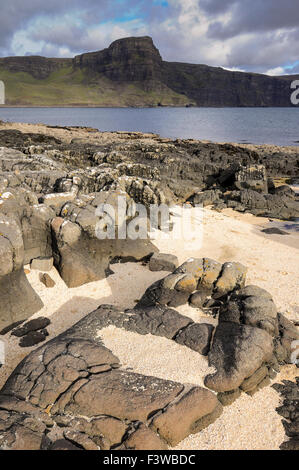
(276, 126)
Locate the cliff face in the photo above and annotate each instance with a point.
(137, 62)
(39, 67)
(125, 60)
(137, 59)
(212, 86)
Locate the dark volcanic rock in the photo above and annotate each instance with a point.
(251, 306)
(63, 444)
(163, 262)
(199, 275)
(253, 177)
(275, 231)
(76, 382)
(143, 438)
(288, 335)
(33, 337)
(47, 280)
(255, 307)
(196, 336)
(237, 352)
(18, 300)
(125, 60)
(279, 206)
(290, 411)
(32, 325)
(80, 256)
(227, 398)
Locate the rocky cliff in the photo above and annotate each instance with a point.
(39, 67)
(126, 60)
(131, 72)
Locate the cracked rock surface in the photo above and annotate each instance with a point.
(73, 389)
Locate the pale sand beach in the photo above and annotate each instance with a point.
(273, 263)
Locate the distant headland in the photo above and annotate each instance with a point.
(131, 72)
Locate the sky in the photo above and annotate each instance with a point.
(249, 35)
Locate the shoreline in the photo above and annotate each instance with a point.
(144, 107)
(62, 131)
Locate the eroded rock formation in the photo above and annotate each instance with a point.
(74, 390)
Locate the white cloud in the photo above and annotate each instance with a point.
(276, 71)
(234, 69)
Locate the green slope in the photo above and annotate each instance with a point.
(69, 87)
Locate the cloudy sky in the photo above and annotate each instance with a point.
(251, 35)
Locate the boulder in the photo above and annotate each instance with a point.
(279, 206)
(42, 264)
(184, 415)
(196, 336)
(33, 325)
(237, 351)
(36, 231)
(253, 306)
(33, 337)
(252, 177)
(286, 342)
(47, 280)
(233, 276)
(143, 438)
(289, 391)
(195, 281)
(19, 301)
(79, 255)
(227, 398)
(207, 198)
(199, 298)
(163, 262)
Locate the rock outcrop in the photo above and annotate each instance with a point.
(74, 389)
(196, 277)
(150, 170)
(18, 299)
(50, 189)
(73, 392)
(289, 410)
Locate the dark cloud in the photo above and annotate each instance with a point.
(251, 16)
(217, 6)
(19, 14)
(67, 23)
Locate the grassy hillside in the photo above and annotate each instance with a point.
(69, 87)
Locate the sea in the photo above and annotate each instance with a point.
(276, 126)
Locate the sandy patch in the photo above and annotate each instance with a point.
(153, 355)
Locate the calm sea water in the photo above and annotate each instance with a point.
(279, 126)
